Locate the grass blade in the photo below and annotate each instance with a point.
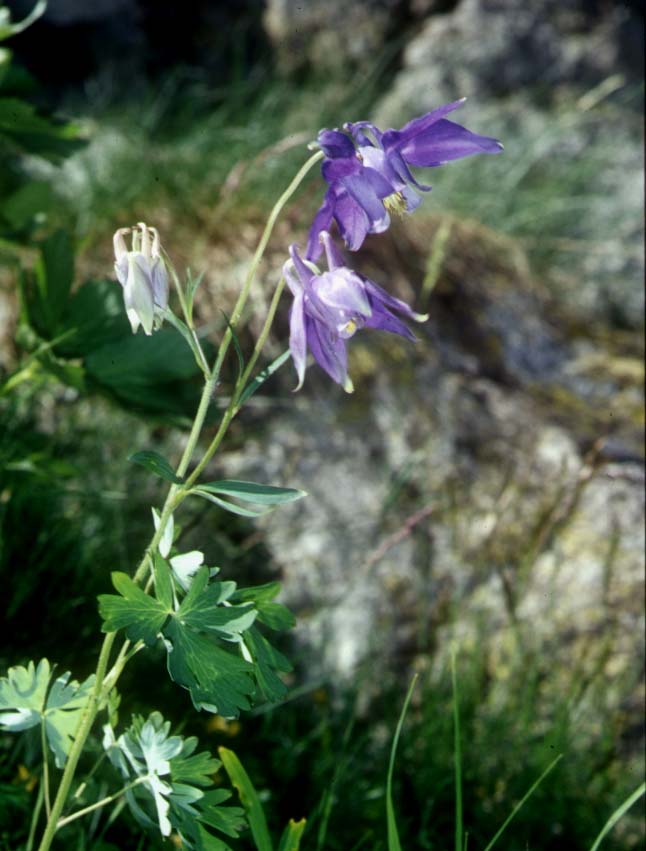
(393, 836)
(529, 793)
(249, 798)
(457, 757)
(618, 813)
(291, 838)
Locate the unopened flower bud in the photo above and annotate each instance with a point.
(141, 271)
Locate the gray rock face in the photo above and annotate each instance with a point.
(328, 34)
(469, 477)
(470, 46)
(486, 48)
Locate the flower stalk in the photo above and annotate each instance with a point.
(176, 493)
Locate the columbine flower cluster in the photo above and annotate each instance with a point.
(369, 178)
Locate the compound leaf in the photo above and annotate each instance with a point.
(23, 693)
(26, 703)
(140, 615)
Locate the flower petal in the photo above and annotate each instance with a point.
(335, 144)
(159, 282)
(404, 174)
(357, 128)
(379, 296)
(445, 141)
(384, 320)
(138, 294)
(298, 338)
(342, 290)
(121, 269)
(322, 221)
(377, 160)
(352, 220)
(333, 170)
(368, 188)
(329, 351)
(304, 272)
(333, 255)
(397, 138)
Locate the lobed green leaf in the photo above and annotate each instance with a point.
(26, 703)
(140, 615)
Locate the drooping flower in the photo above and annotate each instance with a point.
(368, 171)
(330, 307)
(143, 276)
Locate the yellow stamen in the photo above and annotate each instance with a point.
(395, 203)
(350, 327)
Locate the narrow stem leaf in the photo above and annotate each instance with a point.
(618, 814)
(393, 835)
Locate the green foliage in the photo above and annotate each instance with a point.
(7, 28)
(89, 327)
(263, 375)
(249, 799)
(25, 204)
(194, 629)
(46, 288)
(621, 810)
(291, 837)
(253, 492)
(268, 661)
(29, 698)
(157, 464)
(170, 786)
(22, 131)
(249, 492)
(391, 822)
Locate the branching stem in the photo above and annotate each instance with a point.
(175, 495)
(99, 804)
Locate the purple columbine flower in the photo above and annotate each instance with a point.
(369, 175)
(329, 307)
(142, 274)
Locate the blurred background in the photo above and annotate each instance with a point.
(482, 489)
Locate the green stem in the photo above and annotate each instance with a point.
(260, 342)
(237, 311)
(260, 250)
(99, 804)
(34, 818)
(188, 318)
(174, 497)
(170, 503)
(87, 718)
(43, 743)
